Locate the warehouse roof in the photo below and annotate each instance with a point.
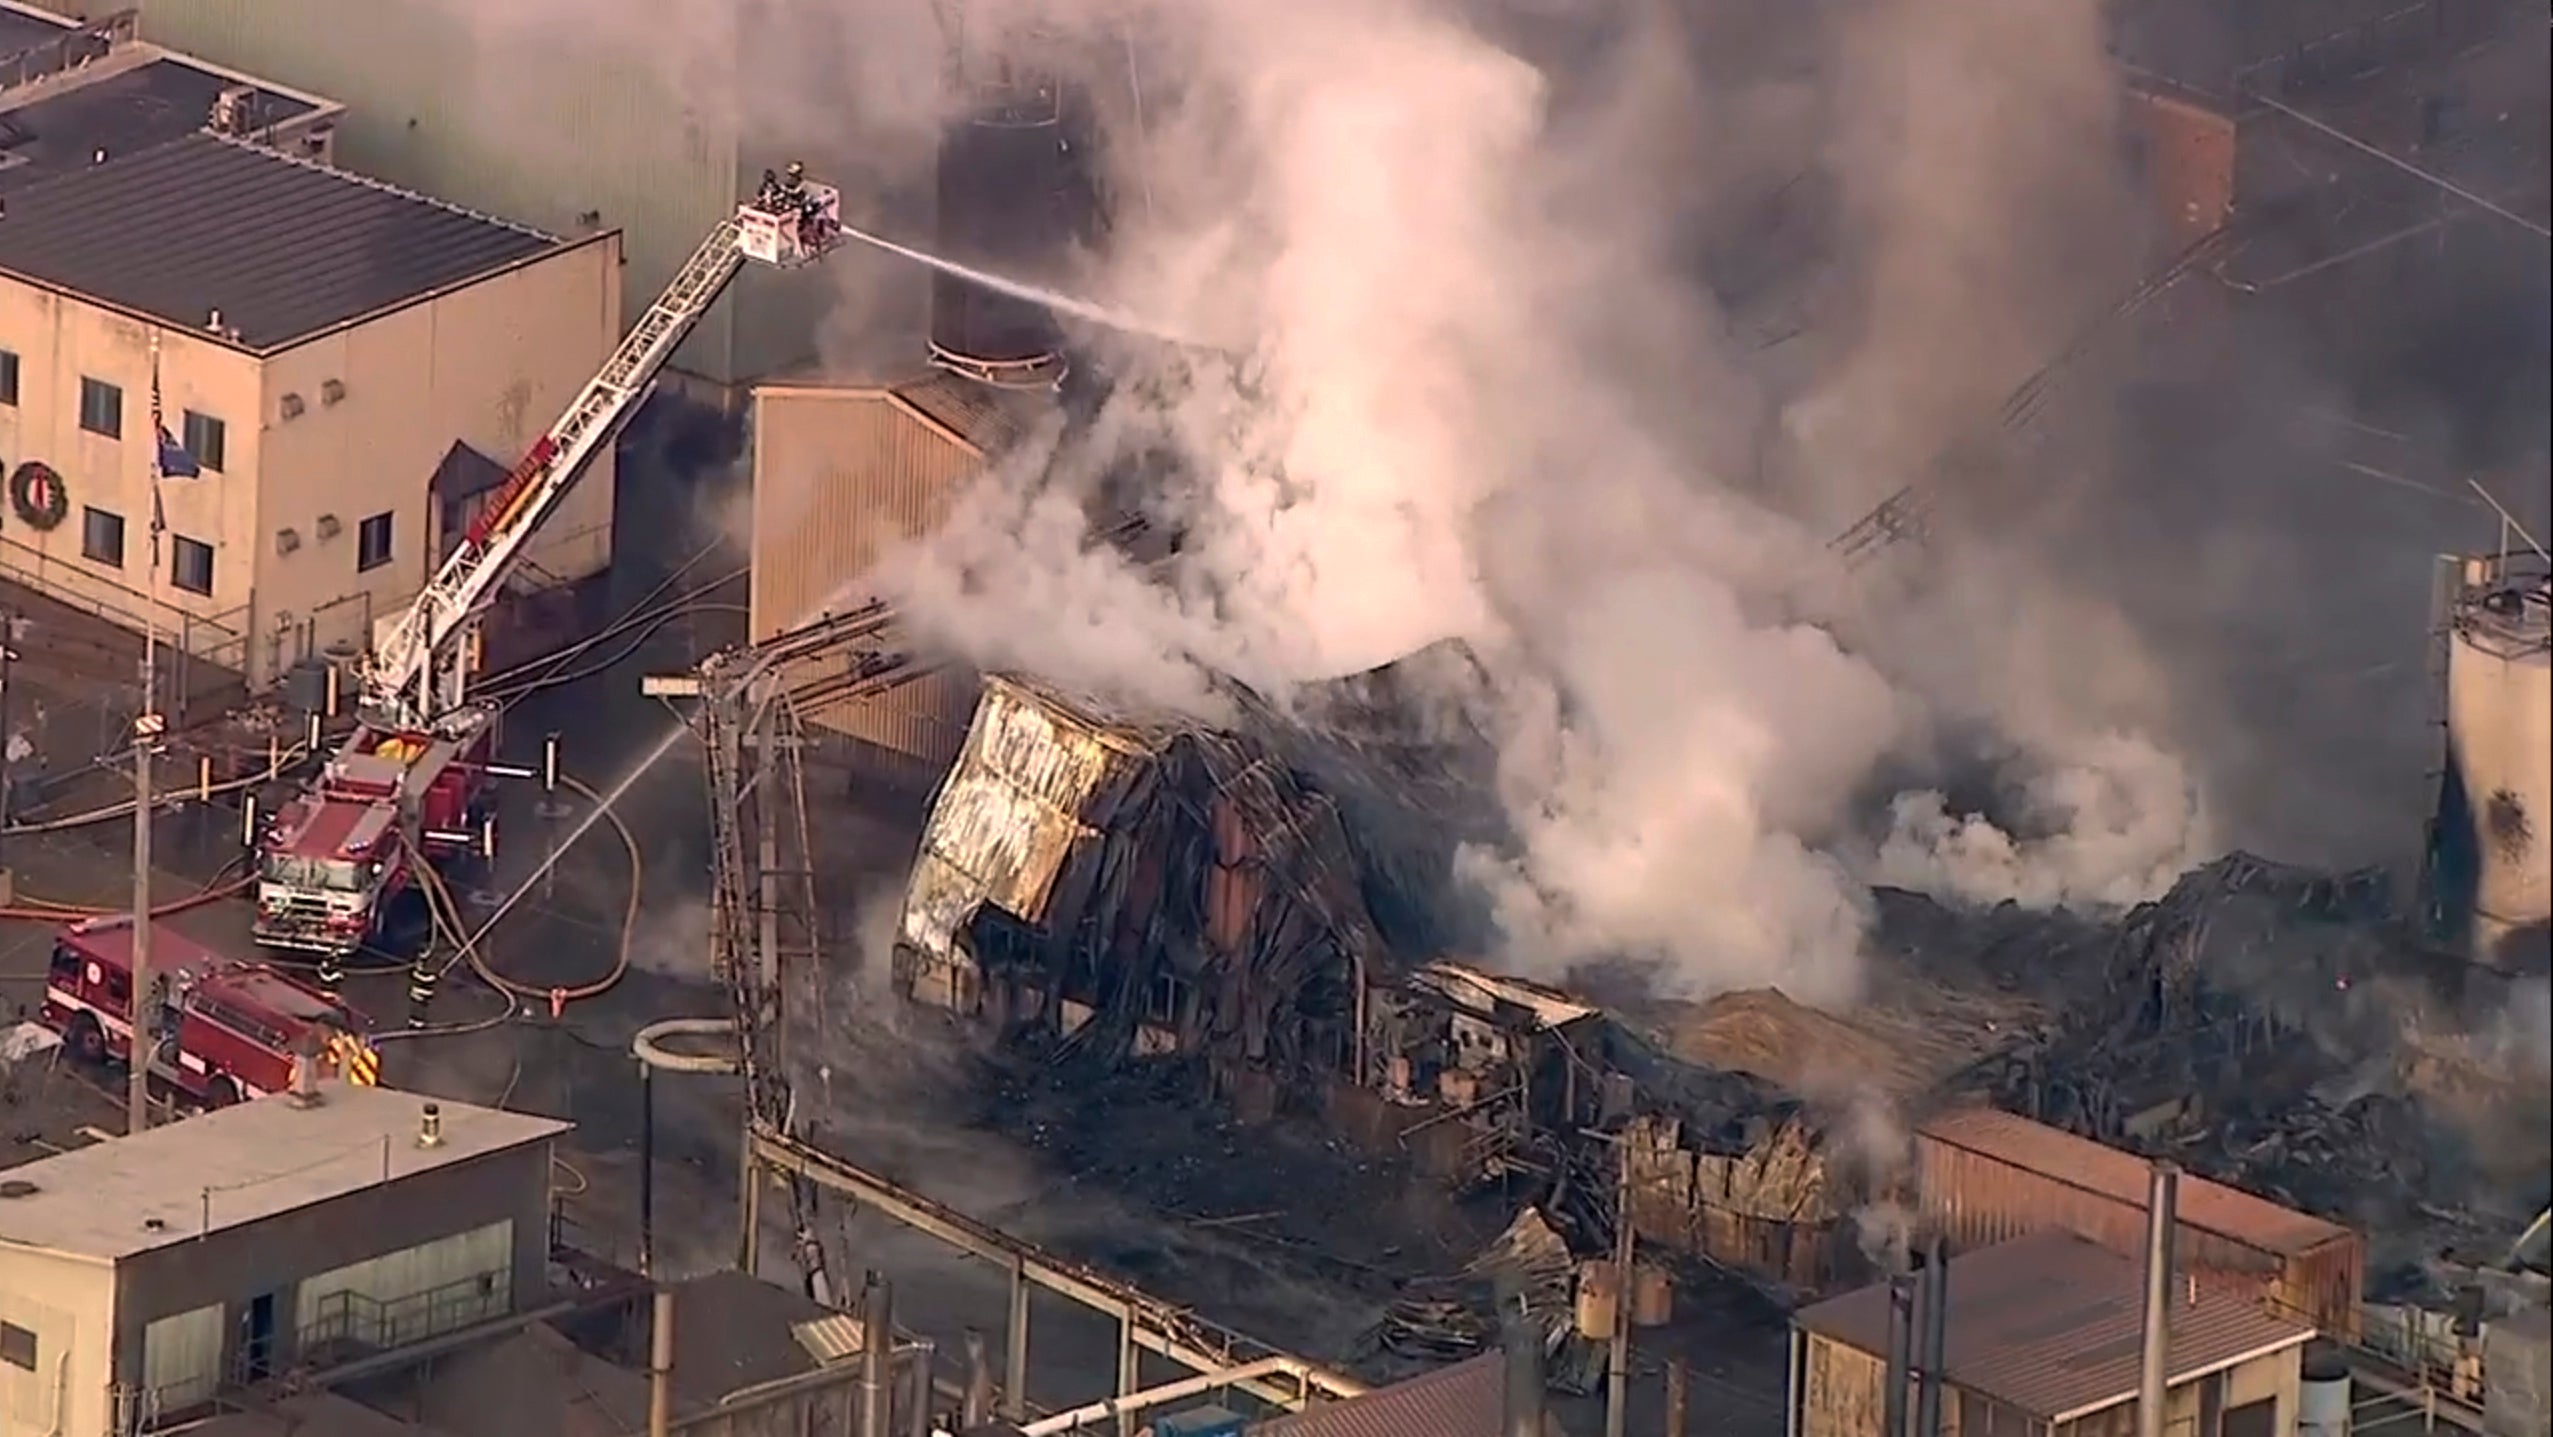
(63, 124)
(1464, 1400)
(241, 1165)
(280, 248)
(2053, 1325)
(2124, 1177)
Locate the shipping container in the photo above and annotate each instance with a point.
(1984, 1177)
(842, 476)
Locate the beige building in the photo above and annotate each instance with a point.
(150, 1276)
(2044, 1339)
(323, 343)
(841, 476)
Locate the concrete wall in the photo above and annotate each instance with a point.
(70, 1305)
(237, 1265)
(492, 364)
(841, 477)
(59, 340)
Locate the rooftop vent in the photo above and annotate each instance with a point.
(305, 1081)
(430, 1126)
(18, 1188)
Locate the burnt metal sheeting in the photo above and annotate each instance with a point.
(2052, 1325)
(2079, 1162)
(987, 420)
(281, 247)
(1464, 1400)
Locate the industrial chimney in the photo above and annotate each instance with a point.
(1008, 180)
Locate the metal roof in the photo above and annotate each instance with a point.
(2052, 1324)
(244, 1164)
(988, 420)
(282, 248)
(1464, 1400)
(61, 128)
(2079, 1162)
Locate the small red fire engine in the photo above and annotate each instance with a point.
(229, 1030)
(334, 871)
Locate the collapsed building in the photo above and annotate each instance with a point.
(1266, 900)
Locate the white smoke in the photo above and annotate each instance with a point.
(1478, 389)
(1484, 400)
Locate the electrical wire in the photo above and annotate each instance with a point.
(285, 759)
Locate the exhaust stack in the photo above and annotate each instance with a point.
(2162, 1223)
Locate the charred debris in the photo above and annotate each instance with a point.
(1259, 900)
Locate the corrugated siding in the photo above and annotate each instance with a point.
(1007, 818)
(503, 124)
(1842, 1392)
(841, 477)
(182, 1359)
(2037, 1179)
(413, 1293)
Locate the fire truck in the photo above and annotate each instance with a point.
(228, 1029)
(336, 866)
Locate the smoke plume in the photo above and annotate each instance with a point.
(1573, 333)
(1477, 384)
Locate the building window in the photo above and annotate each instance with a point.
(17, 1346)
(9, 377)
(102, 537)
(206, 439)
(191, 565)
(101, 408)
(372, 543)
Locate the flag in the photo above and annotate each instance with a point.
(172, 461)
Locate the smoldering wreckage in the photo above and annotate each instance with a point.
(1261, 904)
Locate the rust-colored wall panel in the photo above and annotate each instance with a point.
(2189, 163)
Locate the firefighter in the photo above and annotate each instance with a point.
(331, 972)
(422, 976)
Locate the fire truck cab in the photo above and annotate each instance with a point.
(335, 868)
(228, 1030)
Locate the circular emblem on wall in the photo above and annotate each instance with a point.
(36, 493)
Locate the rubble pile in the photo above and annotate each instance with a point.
(1440, 1320)
(2256, 1025)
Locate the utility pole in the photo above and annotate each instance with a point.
(8, 737)
(1617, 1374)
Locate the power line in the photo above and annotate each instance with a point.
(2428, 177)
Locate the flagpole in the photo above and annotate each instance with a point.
(145, 1004)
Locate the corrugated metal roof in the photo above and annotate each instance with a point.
(1464, 1400)
(282, 247)
(2207, 1206)
(1021, 796)
(2051, 1324)
(59, 126)
(989, 420)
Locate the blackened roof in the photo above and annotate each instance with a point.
(1464, 1400)
(282, 247)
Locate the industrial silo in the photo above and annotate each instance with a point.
(2491, 868)
(1007, 200)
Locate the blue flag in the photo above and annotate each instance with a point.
(175, 461)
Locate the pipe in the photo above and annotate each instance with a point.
(1679, 1396)
(647, 1169)
(977, 1409)
(877, 1346)
(660, 1366)
(1151, 1397)
(1936, 1326)
(923, 1356)
(1522, 1346)
(1901, 1337)
(1174, 1333)
(2162, 1224)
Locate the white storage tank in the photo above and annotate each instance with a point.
(2493, 863)
(2322, 1397)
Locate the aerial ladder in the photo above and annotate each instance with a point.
(338, 859)
(419, 663)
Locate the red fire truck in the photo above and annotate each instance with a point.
(236, 1027)
(335, 869)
